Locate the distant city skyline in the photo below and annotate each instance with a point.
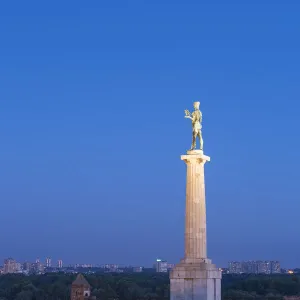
(156, 262)
(11, 265)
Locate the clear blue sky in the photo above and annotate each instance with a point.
(92, 99)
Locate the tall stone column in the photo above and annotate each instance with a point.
(195, 217)
(195, 277)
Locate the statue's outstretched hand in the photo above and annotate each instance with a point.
(187, 113)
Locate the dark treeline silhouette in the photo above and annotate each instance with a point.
(142, 286)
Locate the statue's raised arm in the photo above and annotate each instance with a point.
(196, 117)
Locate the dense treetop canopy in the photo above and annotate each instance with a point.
(139, 286)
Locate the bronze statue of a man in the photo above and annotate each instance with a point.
(196, 117)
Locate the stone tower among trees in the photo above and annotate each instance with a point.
(81, 290)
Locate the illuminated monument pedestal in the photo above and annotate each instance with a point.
(195, 277)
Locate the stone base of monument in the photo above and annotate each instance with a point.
(195, 279)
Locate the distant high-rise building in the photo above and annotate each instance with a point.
(254, 267)
(275, 267)
(264, 267)
(60, 263)
(18, 267)
(9, 266)
(249, 267)
(27, 266)
(161, 266)
(48, 262)
(38, 268)
(235, 267)
(37, 261)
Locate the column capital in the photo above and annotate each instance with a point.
(195, 156)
